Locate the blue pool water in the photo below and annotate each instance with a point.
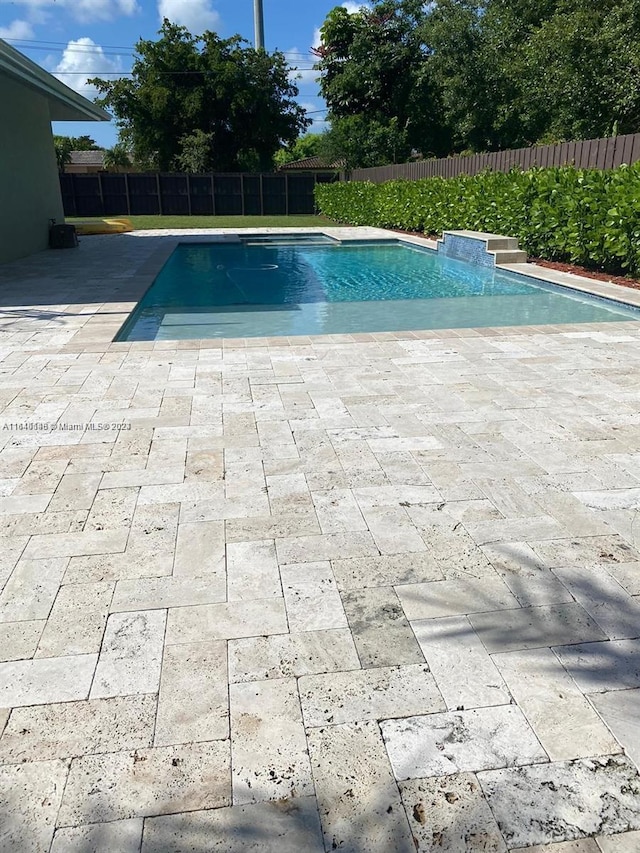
(271, 288)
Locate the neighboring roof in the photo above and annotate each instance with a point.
(87, 158)
(64, 103)
(313, 163)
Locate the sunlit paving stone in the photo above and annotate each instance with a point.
(372, 592)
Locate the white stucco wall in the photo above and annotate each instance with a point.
(29, 185)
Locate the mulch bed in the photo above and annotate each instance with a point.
(600, 276)
(623, 280)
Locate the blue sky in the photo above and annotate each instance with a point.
(74, 38)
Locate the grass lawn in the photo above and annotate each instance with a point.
(147, 222)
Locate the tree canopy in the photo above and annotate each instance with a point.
(477, 75)
(309, 145)
(203, 101)
(373, 77)
(64, 145)
(117, 157)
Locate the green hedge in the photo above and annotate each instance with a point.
(584, 216)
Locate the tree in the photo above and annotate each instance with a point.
(78, 143)
(117, 157)
(242, 99)
(309, 145)
(360, 142)
(197, 152)
(63, 149)
(64, 145)
(374, 74)
(480, 75)
(583, 70)
(512, 73)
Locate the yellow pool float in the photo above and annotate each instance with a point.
(103, 226)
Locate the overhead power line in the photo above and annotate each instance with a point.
(130, 73)
(110, 50)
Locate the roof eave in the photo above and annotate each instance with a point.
(64, 103)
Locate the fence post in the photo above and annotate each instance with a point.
(101, 193)
(126, 189)
(261, 194)
(286, 193)
(213, 196)
(189, 193)
(242, 190)
(159, 193)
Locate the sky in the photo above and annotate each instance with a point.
(76, 39)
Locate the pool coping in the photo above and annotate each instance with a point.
(97, 332)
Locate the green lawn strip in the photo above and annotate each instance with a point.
(145, 223)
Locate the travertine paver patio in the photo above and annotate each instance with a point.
(378, 593)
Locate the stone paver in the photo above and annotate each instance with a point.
(560, 715)
(542, 803)
(19, 640)
(41, 682)
(360, 805)
(292, 655)
(626, 842)
(131, 654)
(119, 785)
(252, 571)
(30, 796)
(312, 599)
(283, 826)
(77, 620)
(583, 845)
(450, 814)
(380, 629)
(535, 627)
(210, 617)
(621, 712)
(454, 598)
(67, 729)
(442, 744)
(193, 702)
(464, 671)
(125, 836)
(226, 621)
(269, 746)
(600, 667)
(369, 694)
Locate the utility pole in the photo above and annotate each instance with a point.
(258, 16)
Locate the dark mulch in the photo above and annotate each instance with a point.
(624, 280)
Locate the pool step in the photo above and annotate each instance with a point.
(481, 248)
(509, 256)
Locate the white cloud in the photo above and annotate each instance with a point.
(101, 10)
(82, 59)
(17, 30)
(354, 8)
(83, 10)
(196, 15)
(318, 118)
(301, 71)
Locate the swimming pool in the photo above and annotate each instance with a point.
(266, 286)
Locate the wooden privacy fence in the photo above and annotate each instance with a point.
(586, 154)
(128, 194)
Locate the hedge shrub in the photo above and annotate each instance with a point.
(583, 216)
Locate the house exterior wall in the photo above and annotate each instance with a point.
(29, 185)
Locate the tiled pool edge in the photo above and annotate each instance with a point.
(98, 333)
